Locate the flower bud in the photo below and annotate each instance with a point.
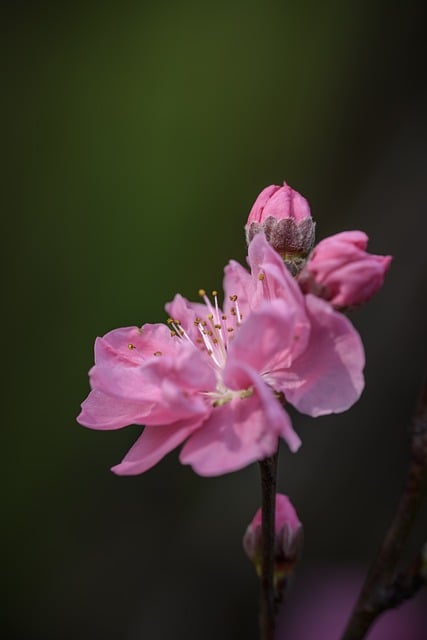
(342, 272)
(284, 216)
(287, 543)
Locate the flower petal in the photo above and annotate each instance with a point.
(237, 282)
(274, 279)
(101, 411)
(176, 403)
(240, 432)
(152, 445)
(268, 336)
(186, 312)
(328, 376)
(185, 365)
(131, 346)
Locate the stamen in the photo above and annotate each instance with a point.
(202, 294)
(239, 317)
(218, 322)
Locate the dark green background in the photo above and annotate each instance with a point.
(136, 138)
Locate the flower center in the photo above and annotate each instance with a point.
(215, 331)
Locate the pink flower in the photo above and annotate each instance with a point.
(342, 272)
(217, 378)
(284, 216)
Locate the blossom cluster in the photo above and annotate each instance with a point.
(218, 378)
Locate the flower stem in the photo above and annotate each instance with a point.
(377, 592)
(268, 469)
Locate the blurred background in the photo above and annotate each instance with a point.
(136, 138)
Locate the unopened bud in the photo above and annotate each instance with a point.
(342, 272)
(284, 216)
(288, 537)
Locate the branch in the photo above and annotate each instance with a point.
(407, 583)
(268, 469)
(381, 577)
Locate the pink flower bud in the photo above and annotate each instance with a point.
(287, 545)
(284, 216)
(342, 272)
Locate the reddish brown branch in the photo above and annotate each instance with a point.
(379, 591)
(268, 469)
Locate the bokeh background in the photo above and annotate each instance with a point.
(136, 137)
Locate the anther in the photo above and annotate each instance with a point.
(131, 346)
(157, 353)
(261, 276)
(233, 298)
(202, 293)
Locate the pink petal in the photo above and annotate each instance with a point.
(273, 279)
(100, 411)
(176, 404)
(287, 203)
(186, 312)
(255, 213)
(233, 437)
(277, 417)
(131, 346)
(188, 368)
(152, 445)
(268, 336)
(121, 355)
(328, 376)
(239, 432)
(237, 282)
